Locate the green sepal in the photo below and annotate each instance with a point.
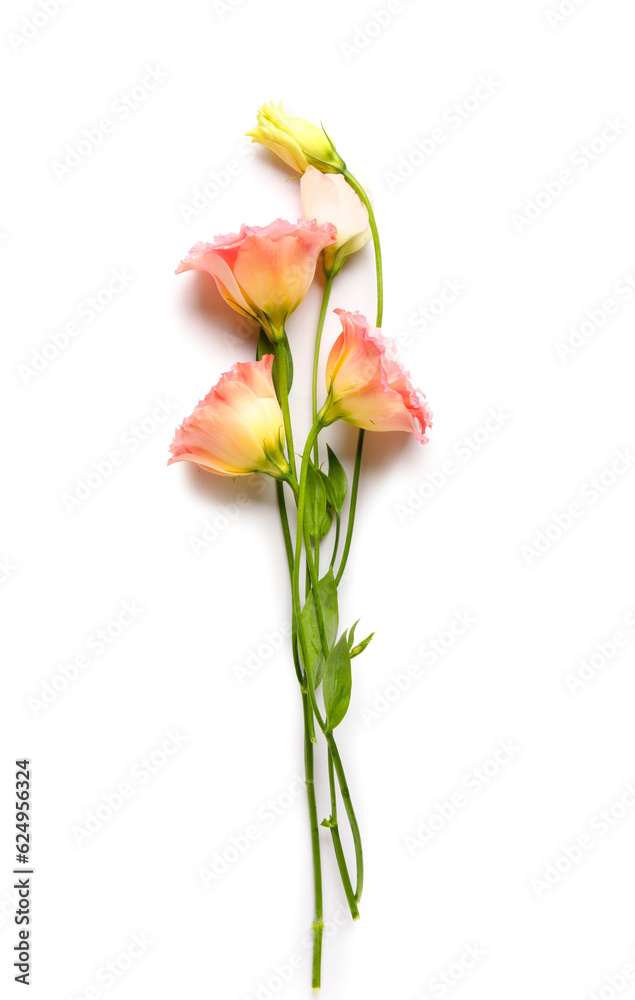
(337, 682)
(313, 654)
(266, 347)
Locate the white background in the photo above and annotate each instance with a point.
(468, 547)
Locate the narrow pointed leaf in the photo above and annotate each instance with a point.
(337, 682)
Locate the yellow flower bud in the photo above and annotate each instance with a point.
(296, 141)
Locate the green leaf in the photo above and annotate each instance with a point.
(317, 517)
(337, 682)
(356, 650)
(331, 499)
(337, 477)
(314, 656)
(351, 635)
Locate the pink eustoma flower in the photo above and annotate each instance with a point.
(238, 428)
(368, 386)
(264, 272)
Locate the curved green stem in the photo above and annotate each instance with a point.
(357, 187)
(350, 812)
(337, 846)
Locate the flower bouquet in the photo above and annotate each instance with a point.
(244, 426)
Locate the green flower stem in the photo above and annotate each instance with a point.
(337, 846)
(318, 923)
(288, 545)
(316, 363)
(333, 751)
(353, 504)
(309, 740)
(283, 394)
(357, 187)
(350, 812)
(316, 355)
(338, 525)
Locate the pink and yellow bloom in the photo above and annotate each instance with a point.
(368, 386)
(263, 272)
(295, 140)
(238, 428)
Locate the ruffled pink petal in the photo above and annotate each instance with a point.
(204, 257)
